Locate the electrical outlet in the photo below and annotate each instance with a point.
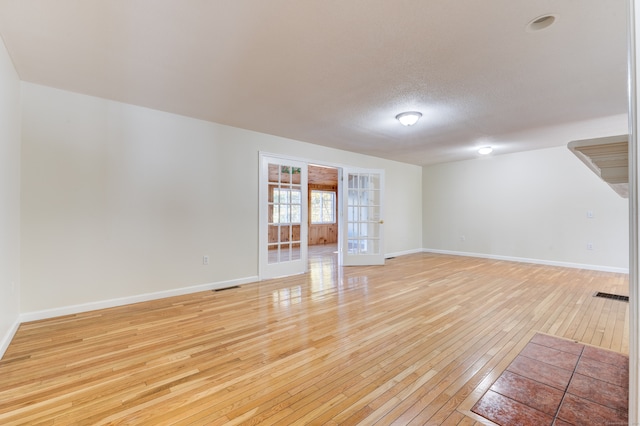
(205, 260)
(589, 246)
(590, 214)
(463, 238)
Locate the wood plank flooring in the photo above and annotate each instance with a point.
(415, 342)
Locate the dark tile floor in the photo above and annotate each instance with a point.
(559, 382)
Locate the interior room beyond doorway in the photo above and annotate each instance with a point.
(323, 205)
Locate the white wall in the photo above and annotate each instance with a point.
(9, 199)
(120, 200)
(530, 205)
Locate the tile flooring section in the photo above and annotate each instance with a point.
(559, 382)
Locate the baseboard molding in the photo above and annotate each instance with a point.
(402, 253)
(527, 260)
(103, 304)
(8, 337)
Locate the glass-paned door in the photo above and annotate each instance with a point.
(363, 221)
(283, 217)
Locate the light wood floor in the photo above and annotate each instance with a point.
(414, 342)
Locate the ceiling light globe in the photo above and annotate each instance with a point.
(409, 118)
(485, 150)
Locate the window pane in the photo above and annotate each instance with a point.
(295, 197)
(316, 205)
(295, 253)
(353, 181)
(352, 229)
(364, 182)
(327, 215)
(323, 206)
(369, 247)
(353, 197)
(285, 253)
(295, 214)
(273, 253)
(284, 214)
(363, 198)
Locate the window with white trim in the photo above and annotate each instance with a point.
(323, 207)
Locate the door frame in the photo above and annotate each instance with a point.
(341, 167)
(634, 212)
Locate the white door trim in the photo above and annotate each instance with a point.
(634, 212)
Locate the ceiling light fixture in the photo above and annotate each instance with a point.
(541, 22)
(409, 118)
(485, 150)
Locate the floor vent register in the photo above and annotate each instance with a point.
(612, 296)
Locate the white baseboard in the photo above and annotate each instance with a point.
(6, 339)
(402, 253)
(103, 304)
(527, 260)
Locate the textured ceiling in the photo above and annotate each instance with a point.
(336, 73)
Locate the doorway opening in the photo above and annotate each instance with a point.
(332, 209)
(323, 224)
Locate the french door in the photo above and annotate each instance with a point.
(362, 191)
(283, 217)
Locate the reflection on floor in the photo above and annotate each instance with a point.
(559, 382)
(323, 265)
(323, 252)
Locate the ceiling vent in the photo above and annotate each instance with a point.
(608, 158)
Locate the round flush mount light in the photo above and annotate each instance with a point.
(541, 22)
(485, 150)
(409, 118)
